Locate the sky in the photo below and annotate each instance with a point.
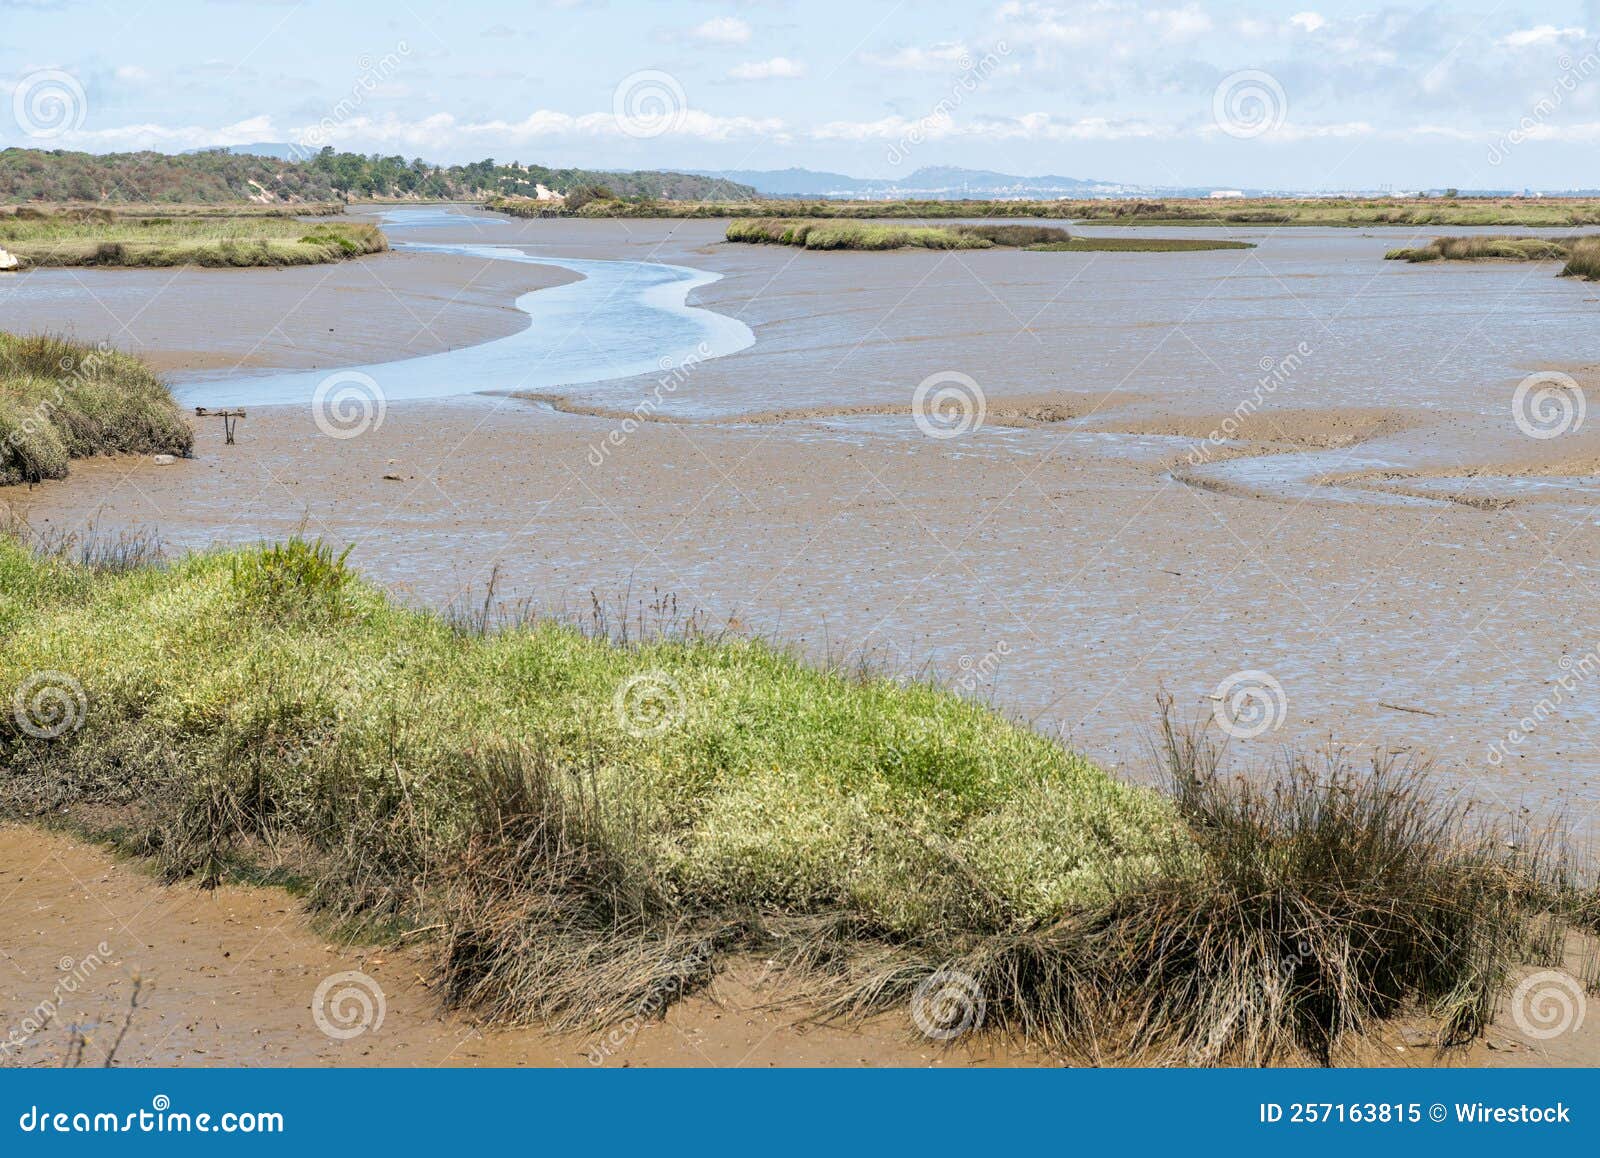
(1311, 95)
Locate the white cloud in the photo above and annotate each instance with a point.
(133, 74)
(1542, 34)
(166, 137)
(1308, 21)
(778, 68)
(723, 30)
(1027, 127)
(442, 132)
(1179, 23)
(943, 56)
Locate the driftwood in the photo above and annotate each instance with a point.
(230, 420)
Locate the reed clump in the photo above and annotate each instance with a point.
(61, 399)
(100, 237)
(853, 235)
(1487, 249)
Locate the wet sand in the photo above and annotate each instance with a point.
(386, 306)
(229, 978)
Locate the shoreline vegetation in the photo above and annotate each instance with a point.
(1580, 254)
(105, 238)
(1551, 212)
(587, 819)
(878, 236)
(61, 400)
(216, 176)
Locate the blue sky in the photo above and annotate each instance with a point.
(1306, 95)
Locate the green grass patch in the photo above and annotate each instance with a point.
(61, 400)
(591, 822)
(98, 237)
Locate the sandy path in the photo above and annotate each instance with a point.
(228, 978)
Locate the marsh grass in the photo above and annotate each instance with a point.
(1581, 255)
(878, 236)
(593, 818)
(1297, 911)
(1346, 212)
(1583, 259)
(61, 400)
(249, 702)
(1487, 249)
(854, 235)
(98, 237)
(1016, 235)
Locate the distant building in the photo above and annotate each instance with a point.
(1226, 194)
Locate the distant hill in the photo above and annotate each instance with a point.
(259, 173)
(935, 182)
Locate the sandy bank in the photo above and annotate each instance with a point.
(229, 977)
(381, 308)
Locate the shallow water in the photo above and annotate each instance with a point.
(624, 318)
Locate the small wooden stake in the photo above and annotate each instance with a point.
(230, 420)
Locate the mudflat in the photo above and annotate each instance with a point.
(1118, 523)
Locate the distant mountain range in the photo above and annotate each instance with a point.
(937, 182)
